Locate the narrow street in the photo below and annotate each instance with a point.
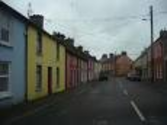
(115, 102)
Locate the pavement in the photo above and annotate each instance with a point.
(114, 102)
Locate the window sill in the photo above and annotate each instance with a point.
(5, 95)
(2, 43)
(39, 54)
(38, 90)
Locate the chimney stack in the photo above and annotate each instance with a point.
(124, 53)
(111, 55)
(86, 52)
(104, 56)
(80, 48)
(38, 20)
(70, 41)
(163, 33)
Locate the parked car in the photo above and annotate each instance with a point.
(133, 77)
(103, 76)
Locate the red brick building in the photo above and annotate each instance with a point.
(159, 59)
(123, 64)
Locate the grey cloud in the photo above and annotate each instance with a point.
(103, 26)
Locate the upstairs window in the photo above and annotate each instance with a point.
(58, 51)
(39, 43)
(4, 36)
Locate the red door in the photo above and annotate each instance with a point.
(49, 80)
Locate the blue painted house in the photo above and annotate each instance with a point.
(12, 56)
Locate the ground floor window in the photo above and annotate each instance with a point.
(4, 76)
(38, 78)
(58, 77)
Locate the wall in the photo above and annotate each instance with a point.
(123, 65)
(158, 61)
(71, 70)
(47, 59)
(61, 64)
(15, 54)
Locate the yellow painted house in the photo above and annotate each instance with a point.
(45, 64)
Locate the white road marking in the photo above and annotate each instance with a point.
(120, 85)
(125, 92)
(139, 113)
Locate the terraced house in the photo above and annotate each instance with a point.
(143, 62)
(12, 56)
(34, 63)
(45, 61)
(76, 65)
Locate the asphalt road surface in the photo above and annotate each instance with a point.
(114, 102)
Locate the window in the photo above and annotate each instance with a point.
(58, 51)
(4, 36)
(58, 77)
(39, 43)
(4, 77)
(38, 78)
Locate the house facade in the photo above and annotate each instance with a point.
(76, 65)
(123, 64)
(12, 56)
(71, 69)
(141, 65)
(90, 68)
(84, 67)
(159, 59)
(46, 64)
(163, 34)
(108, 64)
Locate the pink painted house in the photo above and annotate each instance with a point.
(76, 65)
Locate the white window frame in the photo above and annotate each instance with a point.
(6, 43)
(6, 94)
(37, 88)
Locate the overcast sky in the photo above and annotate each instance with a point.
(101, 26)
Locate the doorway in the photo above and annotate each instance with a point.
(49, 80)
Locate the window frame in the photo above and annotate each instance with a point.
(3, 42)
(58, 77)
(38, 85)
(7, 93)
(58, 52)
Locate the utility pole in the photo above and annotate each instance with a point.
(152, 40)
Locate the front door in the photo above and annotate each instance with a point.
(49, 80)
